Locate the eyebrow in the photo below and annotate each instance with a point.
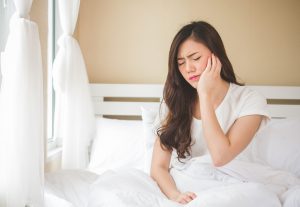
(180, 58)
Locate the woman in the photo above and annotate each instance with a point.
(208, 111)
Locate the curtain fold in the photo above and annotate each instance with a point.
(74, 124)
(21, 113)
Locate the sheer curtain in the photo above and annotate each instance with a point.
(74, 123)
(21, 113)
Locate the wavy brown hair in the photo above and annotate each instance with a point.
(179, 95)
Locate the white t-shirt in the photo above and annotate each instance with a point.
(239, 101)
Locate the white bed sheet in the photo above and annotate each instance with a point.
(239, 183)
(232, 185)
(52, 200)
(68, 187)
(135, 189)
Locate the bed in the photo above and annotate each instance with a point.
(125, 116)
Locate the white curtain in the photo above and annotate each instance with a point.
(21, 113)
(74, 123)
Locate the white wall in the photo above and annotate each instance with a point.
(128, 41)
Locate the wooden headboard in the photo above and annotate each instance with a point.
(127, 99)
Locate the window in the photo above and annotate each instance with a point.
(7, 9)
(54, 31)
(50, 90)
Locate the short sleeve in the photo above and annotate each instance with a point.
(253, 103)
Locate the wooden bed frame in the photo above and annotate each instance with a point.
(127, 99)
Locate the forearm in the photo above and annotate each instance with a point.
(165, 182)
(217, 142)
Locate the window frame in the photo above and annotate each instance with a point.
(51, 142)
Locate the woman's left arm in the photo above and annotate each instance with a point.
(225, 147)
(222, 147)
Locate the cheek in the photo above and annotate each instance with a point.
(183, 73)
(203, 63)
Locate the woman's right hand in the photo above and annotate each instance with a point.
(210, 77)
(184, 198)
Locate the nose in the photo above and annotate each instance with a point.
(189, 67)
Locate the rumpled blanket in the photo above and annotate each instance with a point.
(237, 184)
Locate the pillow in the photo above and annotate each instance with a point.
(278, 145)
(149, 132)
(118, 144)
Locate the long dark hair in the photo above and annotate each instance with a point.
(179, 95)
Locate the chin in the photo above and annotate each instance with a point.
(194, 84)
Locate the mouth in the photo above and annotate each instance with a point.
(194, 78)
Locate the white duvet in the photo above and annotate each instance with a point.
(236, 184)
(135, 189)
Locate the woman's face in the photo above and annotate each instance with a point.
(192, 59)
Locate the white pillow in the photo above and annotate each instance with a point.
(151, 122)
(278, 144)
(118, 144)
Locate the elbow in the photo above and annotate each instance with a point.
(221, 157)
(220, 161)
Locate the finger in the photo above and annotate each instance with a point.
(192, 195)
(187, 198)
(208, 66)
(218, 65)
(182, 201)
(214, 62)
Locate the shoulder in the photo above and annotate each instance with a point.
(248, 101)
(243, 94)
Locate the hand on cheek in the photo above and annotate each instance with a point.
(210, 76)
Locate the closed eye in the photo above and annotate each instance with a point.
(180, 63)
(197, 58)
